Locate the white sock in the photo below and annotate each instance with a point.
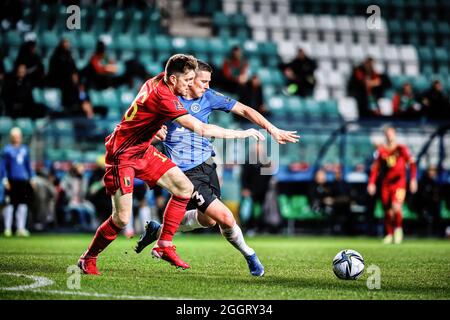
(8, 216)
(236, 238)
(21, 216)
(145, 215)
(190, 221)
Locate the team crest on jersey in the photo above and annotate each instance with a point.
(195, 107)
(127, 181)
(178, 105)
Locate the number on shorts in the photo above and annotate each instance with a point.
(163, 159)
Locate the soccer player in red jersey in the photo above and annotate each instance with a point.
(391, 160)
(129, 154)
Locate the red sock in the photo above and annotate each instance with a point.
(398, 219)
(388, 223)
(174, 213)
(105, 234)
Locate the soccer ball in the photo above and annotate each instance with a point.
(348, 265)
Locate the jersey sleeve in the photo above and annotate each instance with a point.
(219, 101)
(172, 108)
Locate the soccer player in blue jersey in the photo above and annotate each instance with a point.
(193, 154)
(16, 174)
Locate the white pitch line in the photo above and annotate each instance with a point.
(43, 281)
(38, 282)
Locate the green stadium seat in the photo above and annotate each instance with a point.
(295, 107)
(198, 45)
(110, 99)
(420, 83)
(6, 124)
(180, 44)
(52, 98)
(425, 54)
(123, 42)
(49, 39)
(13, 38)
(277, 105)
(221, 20)
(238, 20)
(312, 108)
(163, 44)
(87, 41)
(217, 46)
(329, 109)
(54, 154)
(441, 55)
(445, 211)
(409, 214)
(26, 124)
(143, 43)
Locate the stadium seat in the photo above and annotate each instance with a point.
(52, 98)
(6, 124)
(26, 124)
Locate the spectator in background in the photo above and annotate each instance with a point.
(32, 60)
(17, 95)
(62, 66)
(235, 71)
(255, 179)
(367, 86)
(252, 96)
(74, 98)
(75, 187)
(101, 70)
(16, 174)
(300, 74)
(428, 200)
(436, 104)
(404, 103)
(320, 194)
(97, 192)
(43, 207)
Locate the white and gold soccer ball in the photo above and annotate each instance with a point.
(348, 265)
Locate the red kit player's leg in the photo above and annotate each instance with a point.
(398, 199)
(167, 175)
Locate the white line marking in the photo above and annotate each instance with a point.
(38, 282)
(42, 282)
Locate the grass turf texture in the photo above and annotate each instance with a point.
(296, 268)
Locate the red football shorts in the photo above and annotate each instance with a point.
(393, 193)
(149, 169)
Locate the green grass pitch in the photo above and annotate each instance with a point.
(296, 268)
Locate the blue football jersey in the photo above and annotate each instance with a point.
(187, 149)
(15, 163)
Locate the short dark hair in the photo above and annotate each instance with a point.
(203, 66)
(180, 63)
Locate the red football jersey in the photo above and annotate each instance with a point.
(392, 164)
(152, 107)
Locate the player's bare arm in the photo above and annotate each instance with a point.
(413, 182)
(210, 130)
(281, 136)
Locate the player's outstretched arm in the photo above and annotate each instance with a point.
(281, 136)
(210, 130)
